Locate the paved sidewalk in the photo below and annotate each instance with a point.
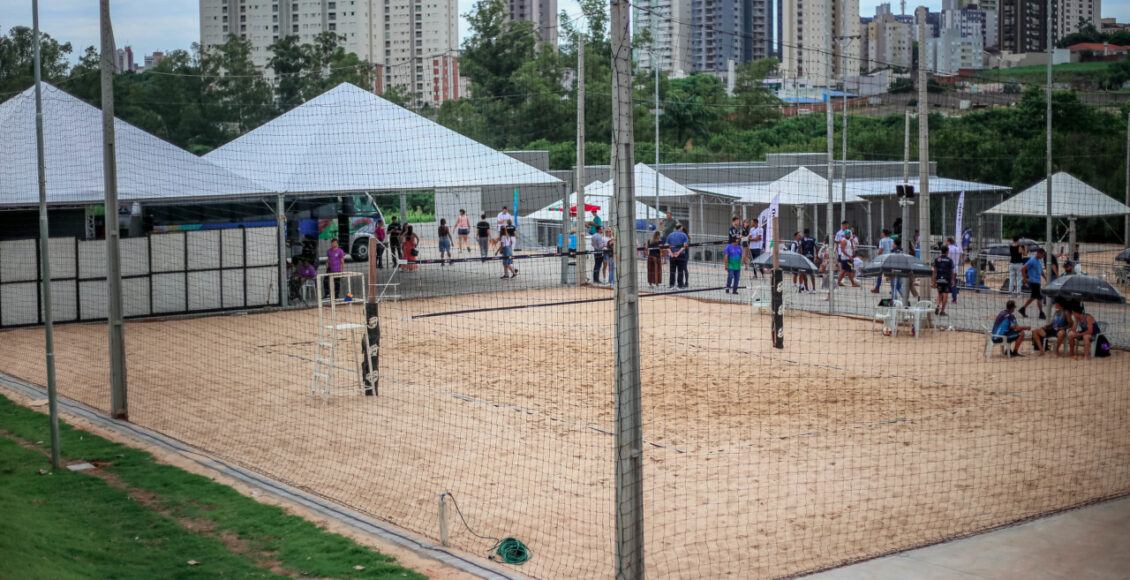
(1091, 543)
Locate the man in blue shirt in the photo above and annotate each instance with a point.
(1005, 326)
(1033, 270)
(677, 246)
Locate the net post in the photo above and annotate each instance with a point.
(280, 220)
(776, 298)
(44, 251)
(444, 537)
(923, 155)
(119, 409)
(628, 428)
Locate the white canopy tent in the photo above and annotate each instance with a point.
(598, 194)
(1071, 199)
(149, 169)
(350, 140)
(800, 187)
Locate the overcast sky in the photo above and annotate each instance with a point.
(150, 25)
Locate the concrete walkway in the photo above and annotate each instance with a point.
(1090, 543)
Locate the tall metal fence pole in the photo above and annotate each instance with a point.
(1048, 152)
(44, 253)
(923, 155)
(629, 433)
(833, 267)
(119, 409)
(579, 183)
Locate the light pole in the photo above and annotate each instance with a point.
(843, 93)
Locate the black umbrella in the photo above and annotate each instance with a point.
(1002, 249)
(1083, 288)
(897, 266)
(789, 261)
(1123, 256)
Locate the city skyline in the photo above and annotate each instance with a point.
(162, 27)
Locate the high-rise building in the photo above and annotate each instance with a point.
(890, 40)
(669, 22)
(804, 39)
(1070, 14)
(123, 60)
(1022, 25)
(412, 43)
(951, 51)
(542, 13)
(703, 35)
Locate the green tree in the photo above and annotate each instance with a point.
(243, 98)
(755, 105)
(17, 60)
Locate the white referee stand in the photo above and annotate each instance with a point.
(341, 325)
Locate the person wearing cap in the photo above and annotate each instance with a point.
(1033, 270)
(1069, 268)
(1006, 326)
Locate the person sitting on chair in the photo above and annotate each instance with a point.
(1006, 326)
(1058, 328)
(1086, 329)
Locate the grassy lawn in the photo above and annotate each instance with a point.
(134, 518)
(1062, 73)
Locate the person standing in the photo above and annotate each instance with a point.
(382, 239)
(609, 257)
(799, 280)
(733, 253)
(1033, 269)
(943, 278)
(335, 264)
(808, 250)
(502, 219)
(408, 242)
(756, 241)
(597, 243)
(668, 228)
(463, 229)
(394, 234)
(678, 244)
(444, 234)
(845, 253)
(654, 261)
(735, 229)
(1015, 266)
(506, 248)
(954, 252)
(482, 231)
(886, 246)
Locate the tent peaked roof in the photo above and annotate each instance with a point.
(350, 140)
(598, 194)
(1070, 198)
(804, 186)
(644, 176)
(149, 169)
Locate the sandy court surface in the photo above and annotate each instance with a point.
(759, 462)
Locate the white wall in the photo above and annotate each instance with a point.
(161, 274)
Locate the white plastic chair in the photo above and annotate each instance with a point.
(991, 340)
(886, 315)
